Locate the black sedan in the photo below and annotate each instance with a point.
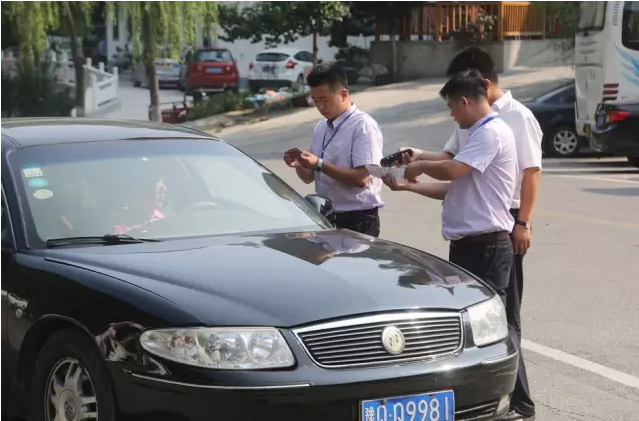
(153, 272)
(555, 112)
(617, 130)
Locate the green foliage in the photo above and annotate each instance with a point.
(30, 21)
(563, 18)
(172, 24)
(475, 33)
(275, 22)
(31, 90)
(219, 104)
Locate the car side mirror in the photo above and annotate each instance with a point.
(323, 206)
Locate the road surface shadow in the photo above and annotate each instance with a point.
(630, 191)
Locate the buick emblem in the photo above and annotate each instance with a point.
(393, 340)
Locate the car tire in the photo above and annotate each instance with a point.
(562, 142)
(66, 352)
(633, 160)
(137, 84)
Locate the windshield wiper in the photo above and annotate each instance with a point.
(106, 239)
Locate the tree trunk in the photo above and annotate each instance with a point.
(315, 46)
(393, 54)
(78, 63)
(155, 113)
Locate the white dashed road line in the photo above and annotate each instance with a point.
(589, 177)
(609, 373)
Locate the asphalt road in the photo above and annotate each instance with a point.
(582, 272)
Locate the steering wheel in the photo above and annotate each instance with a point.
(201, 205)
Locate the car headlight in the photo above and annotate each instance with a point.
(221, 348)
(488, 321)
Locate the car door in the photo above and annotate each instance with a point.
(9, 354)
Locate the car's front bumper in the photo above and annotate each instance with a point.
(481, 380)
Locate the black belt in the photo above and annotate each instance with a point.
(358, 214)
(487, 238)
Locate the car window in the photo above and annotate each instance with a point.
(7, 231)
(213, 55)
(630, 25)
(309, 56)
(271, 57)
(558, 95)
(155, 189)
(591, 16)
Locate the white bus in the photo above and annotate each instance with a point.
(606, 58)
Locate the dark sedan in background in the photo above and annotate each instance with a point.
(153, 272)
(617, 130)
(555, 112)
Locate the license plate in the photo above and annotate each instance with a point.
(268, 68)
(213, 70)
(438, 406)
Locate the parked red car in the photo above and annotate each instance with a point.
(208, 70)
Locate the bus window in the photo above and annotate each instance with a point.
(591, 16)
(630, 25)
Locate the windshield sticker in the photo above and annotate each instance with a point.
(42, 194)
(32, 172)
(38, 183)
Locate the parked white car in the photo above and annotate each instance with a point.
(167, 69)
(279, 67)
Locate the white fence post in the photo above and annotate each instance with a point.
(101, 66)
(94, 91)
(64, 58)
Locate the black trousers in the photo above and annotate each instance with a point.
(521, 399)
(364, 221)
(488, 259)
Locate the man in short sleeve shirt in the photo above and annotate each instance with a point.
(341, 146)
(475, 214)
(528, 136)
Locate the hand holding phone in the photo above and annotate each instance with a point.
(291, 155)
(390, 160)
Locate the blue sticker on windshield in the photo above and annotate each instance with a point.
(38, 182)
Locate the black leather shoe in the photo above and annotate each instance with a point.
(515, 416)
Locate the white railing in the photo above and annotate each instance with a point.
(100, 86)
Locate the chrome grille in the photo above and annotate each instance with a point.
(358, 342)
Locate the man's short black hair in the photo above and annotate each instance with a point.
(467, 83)
(328, 73)
(473, 57)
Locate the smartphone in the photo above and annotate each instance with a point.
(295, 151)
(390, 160)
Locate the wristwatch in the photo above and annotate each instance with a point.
(319, 165)
(525, 224)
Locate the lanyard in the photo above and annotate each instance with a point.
(324, 142)
(488, 120)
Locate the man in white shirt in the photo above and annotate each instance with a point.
(476, 215)
(528, 136)
(342, 144)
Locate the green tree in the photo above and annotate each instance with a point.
(164, 26)
(563, 18)
(368, 12)
(31, 21)
(277, 22)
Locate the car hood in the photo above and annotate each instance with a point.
(284, 280)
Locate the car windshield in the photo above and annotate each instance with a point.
(154, 189)
(213, 55)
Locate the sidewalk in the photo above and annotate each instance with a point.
(415, 100)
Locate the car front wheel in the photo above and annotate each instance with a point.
(71, 382)
(563, 142)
